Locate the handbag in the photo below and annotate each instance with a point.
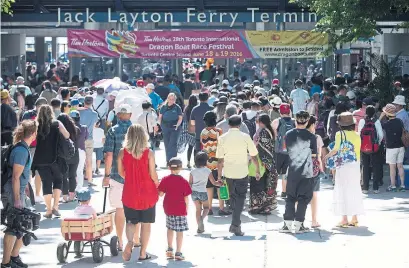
(65, 147)
(346, 153)
(152, 135)
(252, 168)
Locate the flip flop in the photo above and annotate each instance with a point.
(353, 224)
(48, 216)
(316, 226)
(136, 245)
(147, 257)
(342, 225)
(127, 253)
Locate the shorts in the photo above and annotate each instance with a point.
(177, 223)
(99, 153)
(199, 196)
(282, 163)
(140, 216)
(317, 182)
(89, 149)
(115, 194)
(395, 155)
(215, 176)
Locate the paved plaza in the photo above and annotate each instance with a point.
(380, 241)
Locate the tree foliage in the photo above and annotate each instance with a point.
(385, 72)
(6, 6)
(348, 20)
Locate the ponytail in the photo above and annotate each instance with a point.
(24, 130)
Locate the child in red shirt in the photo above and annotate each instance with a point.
(176, 190)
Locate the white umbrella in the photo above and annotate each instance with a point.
(110, 85)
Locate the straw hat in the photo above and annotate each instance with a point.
(389, 110)
(346, 119)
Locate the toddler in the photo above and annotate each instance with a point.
(198, 180)
(84, 197)
(176, 190)
(99, 139)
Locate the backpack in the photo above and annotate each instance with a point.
(251, 124)
(115, 120)
(321, 127)
(6, 169)
(369, 138)
(283, 127)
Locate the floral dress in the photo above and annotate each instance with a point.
(263, 192)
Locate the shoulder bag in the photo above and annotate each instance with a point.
(346, 153)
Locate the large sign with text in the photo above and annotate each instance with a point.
(192, 44)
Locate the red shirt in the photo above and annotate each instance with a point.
(176, 188)
(140, 191)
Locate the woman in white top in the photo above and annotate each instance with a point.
(372, 159)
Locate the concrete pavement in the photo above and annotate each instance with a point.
(384, 229)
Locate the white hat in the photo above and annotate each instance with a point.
(276, 102)
(399, 100)
(225, 82)
(150, 86)
(351, 95)
(113, 93)
(124, 109)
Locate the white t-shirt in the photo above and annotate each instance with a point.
(299, 97)
(200, 177)
(98, 136)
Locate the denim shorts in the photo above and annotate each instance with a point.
(99, 153)
(199, 196)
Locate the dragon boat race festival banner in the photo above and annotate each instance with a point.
(195, 44)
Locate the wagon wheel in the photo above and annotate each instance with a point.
(113, 245)
(97, 252)
(78, 248)
(62, 252)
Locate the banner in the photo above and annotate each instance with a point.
(194, 44)
(287, 44)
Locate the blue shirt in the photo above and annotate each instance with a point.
(404, 116)
(89, 118)
(315, 89)
(211, 100)
(174, 88)
(113, 144)
(20, 156)
(156, 100)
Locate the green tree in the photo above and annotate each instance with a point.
(6, 6)
(347, 20)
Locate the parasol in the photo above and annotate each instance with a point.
(110, 85)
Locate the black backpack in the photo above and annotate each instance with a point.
(251, 124)
(6, 169)
(115, 120)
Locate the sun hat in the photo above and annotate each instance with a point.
(389, 109)
(83, 194)
(124, 109)
(223, 100)
(5, 94)
(399, 100)
(276, 102)
(285, 108)
(345, 119)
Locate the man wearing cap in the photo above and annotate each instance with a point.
(101, 106)
(232, 153)
(403, 115)
(398, 88)
(113, 144)
(20, 87)
(299, 97)
(156, 100)
(225, 86)
(8, 119)
(361, 113)
(89, 118)
(224, 125)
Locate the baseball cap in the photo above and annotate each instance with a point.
(351, 95)
(397, 83)
(124, 109)
(214, 91)
(175, 163)
(75, 114)
(75, 102)
(277, 101)
(150, 86)
(89, 100)
(83, 194)
(5, 94)
(20, 79)
(225, 82)
(140, 83)
(256, 82)
(285, 108)
(367, 101)
(264, 101)
(41, 101)
(339, 72)
(276, 81)
(223, 100)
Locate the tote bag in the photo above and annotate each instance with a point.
(346, 153)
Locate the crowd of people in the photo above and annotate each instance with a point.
(241, 135)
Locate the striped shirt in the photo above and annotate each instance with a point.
(209, 137)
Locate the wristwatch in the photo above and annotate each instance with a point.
(107, 176)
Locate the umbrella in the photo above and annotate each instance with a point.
(110, 85)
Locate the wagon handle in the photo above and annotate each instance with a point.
(105, 197)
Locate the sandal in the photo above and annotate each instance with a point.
(179, 256)
(147, 257)
(127, 253)
(169, 254)
(342, 225)
(353, 224)
(48, 216)
(136, 245)
(316, 226)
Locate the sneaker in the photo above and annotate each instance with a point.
(376, 191)
(300, 228)
(223, 213)
(38, 199)
(365, 191)
(401, 189)
(8, 265)
(285, 229)
(391, 189)
(283, 195)
(97, 172)
(210, 213)
(179, 256)
(236, 230)
(17, 262)
(169, 253)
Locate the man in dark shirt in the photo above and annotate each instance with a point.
(161, 90)
(8, 119)
(301, 147)
(196, 117)
(189, 86)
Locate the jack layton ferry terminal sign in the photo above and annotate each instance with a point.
(191, 15)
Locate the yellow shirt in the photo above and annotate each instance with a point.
(234, 147)
(353, 138)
